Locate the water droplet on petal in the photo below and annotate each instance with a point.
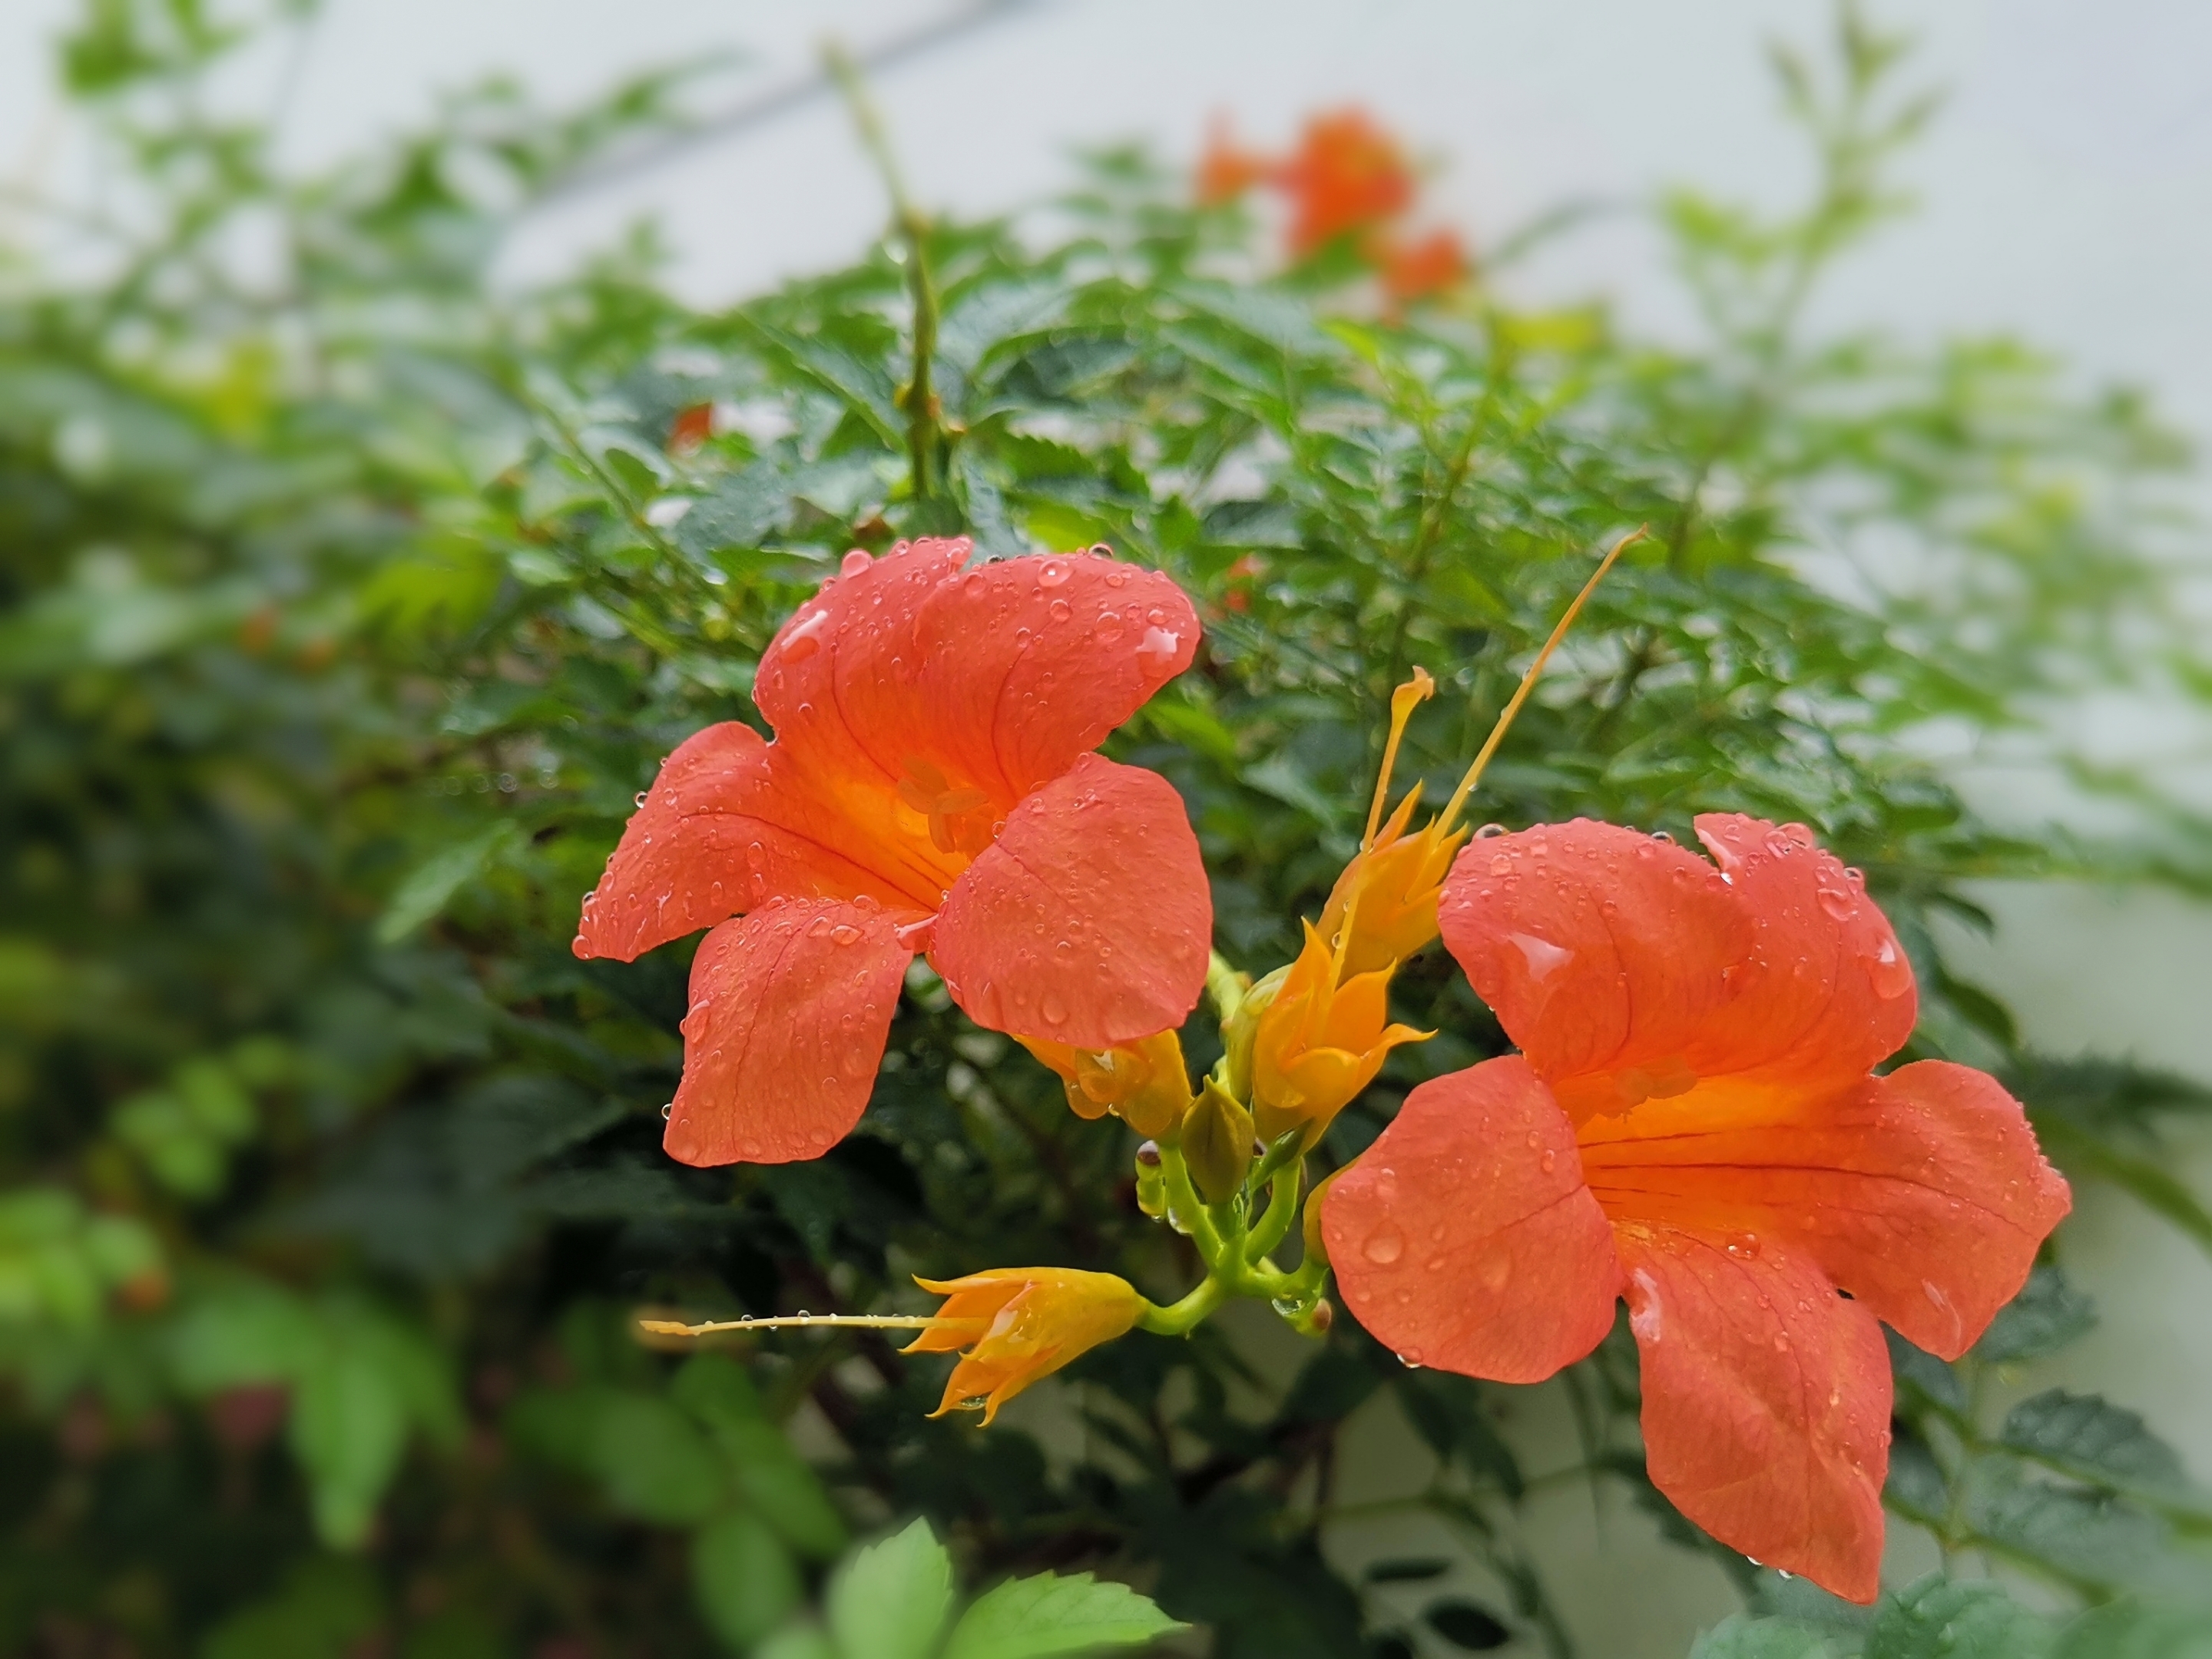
(1108, 627)
(1836, 902)
(1889, 970)
(854, 562)
(1059, 611)
(1662, 838)
(1501, 864)
(1384, 1245)
(1549, 1162)
(1781, 1342)
(1544, 958)
(1490, 832)
(845, 933)
(1055, 1011)
(1054, 575)
(639, 798)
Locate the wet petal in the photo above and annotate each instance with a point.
(790, 1008)
(1923, 1193)
(727, 826)
(1767, 1402)
(1464, 1239)
(838, 683)
(1089, 922)
(1028, 663)
(1829, 991)
(1599, 948)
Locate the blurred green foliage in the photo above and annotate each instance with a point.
(346, 603)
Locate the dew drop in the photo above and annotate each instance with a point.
(639, 798)
(1384, 1245)
(1054, 1010)
(1781, 1342)
(667, 1109)
(1055, 573)
(845, 933)
(1108, 627)
(1836, 902)
(1501, 864)
(1544, 958)
(1059, 611)
(1890, 973)
(1535, 1139)
(1662, 838)
(580, 945)
(1549, 1162)
(854, 562)
(1411, 1358)
(1490, 832)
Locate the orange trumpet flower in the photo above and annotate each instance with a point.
(1018, 1324)
(1319, 1039)
(1144, 1084)
(1691, 1124)
(1347, 174)
(931, 788)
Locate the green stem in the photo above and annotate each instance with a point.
(1186, 1205)
(925, 431)
(1283, 1192)
(1180, 1318)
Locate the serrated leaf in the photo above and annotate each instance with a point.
(1936, 1619)
(2048, 1314)
(890, 1600)
(2087, 1436)
(1050, 1614)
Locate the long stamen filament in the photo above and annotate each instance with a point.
(786, 1322)
(1529, 680)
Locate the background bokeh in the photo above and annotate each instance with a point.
(2065, 193)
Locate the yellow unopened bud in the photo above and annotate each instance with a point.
(1217, 1144)
(1018, 1324)
(1144, 1083)
(1320, 1042)
(1237, 1035)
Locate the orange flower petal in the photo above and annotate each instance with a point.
(1597, 947)
(725, 825)
(1026, 664)
(1829, 991)
(1767, 1402)
(790, 1008)
(837, 681)
(1089, 922)
(1464, 1239)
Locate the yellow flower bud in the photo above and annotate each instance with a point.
(1018, 1324)
(1217, 1144)
(1144, 1083)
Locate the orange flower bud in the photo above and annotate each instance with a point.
(1143, 1083)
(1320, 1042)
(1388, 894)
(1018, 1324)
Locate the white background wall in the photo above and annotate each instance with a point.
(2067, 194)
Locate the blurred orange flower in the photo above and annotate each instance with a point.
(1347, 174)
(1018, 1324)
(1226, 171)
(1420, 270)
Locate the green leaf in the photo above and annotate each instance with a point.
(1935, 1619)
(745, 1579)
(324, 1608)
(780, 1484)
(2048, 1314)
(2151, 1181)
(1047, 1615)
(427, 888)
(349, 1427)
(890, 1600)
(652, 1462)
(2128, 1630)
(2086, 1437)
(1742, 1637)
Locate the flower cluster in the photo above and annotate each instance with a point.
(1692, 1123)
(1347, 183)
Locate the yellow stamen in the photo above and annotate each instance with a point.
(786, 1322)
(1403, 701)
(1529, 680)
